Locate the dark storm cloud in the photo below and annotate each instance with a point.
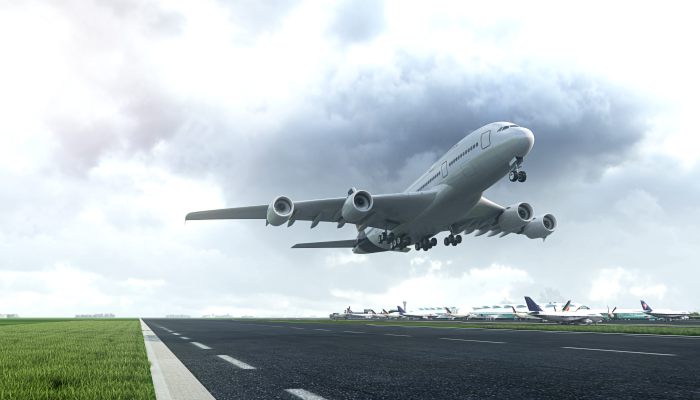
(358, 21)
(368, 131)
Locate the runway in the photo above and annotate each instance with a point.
(295, 360)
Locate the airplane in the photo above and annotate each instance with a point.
(447, 198)
(522, 315)
(665, 314)
(452, 315)
(423, 312)
(563, 317)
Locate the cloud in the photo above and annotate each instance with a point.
(120, 118)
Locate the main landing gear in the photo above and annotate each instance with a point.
(515, 173)
(399, 243)
(426, 244)
(453, 240)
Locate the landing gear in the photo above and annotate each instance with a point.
(453, 240)
(426, 244)
(522, 176)
(516, 175)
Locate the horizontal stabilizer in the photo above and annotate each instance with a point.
(334, 244)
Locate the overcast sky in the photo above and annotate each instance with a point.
(118, 118)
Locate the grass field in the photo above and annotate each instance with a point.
(73, 359)
(661, 329)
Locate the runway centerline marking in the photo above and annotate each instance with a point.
(201, 346)
(184, 338)
(304, 394)
(396, 334)
(296, 327)
(620, 351)
(238, 363)
(472, 340)
(324, 330)
(354, 332)
(175, 333)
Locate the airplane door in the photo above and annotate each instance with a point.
(444, 169)
(485, 139)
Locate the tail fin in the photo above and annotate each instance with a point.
(384, 311)
(401, 310)
(645, 306)
(567, 306)
(514, 312)
(531, 305)
(449, 312)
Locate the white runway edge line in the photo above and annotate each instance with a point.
(471, 340)
(239, 364)
(201, 346)
(621, 351)
(304, 394)
(171, 379)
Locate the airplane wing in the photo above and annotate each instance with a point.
(388, 211)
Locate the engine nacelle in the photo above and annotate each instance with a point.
(515, 217)
(280, 210)
(357, 206)
(540, 227)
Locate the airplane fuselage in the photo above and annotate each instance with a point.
(459, 178)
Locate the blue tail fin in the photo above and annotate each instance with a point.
(401, 310)
(645, 306)
(531, 305)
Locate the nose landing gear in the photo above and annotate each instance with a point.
(515, 173)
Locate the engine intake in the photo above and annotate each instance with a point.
(357, 206)
(515, 217)
(540, 227)
(280, 210)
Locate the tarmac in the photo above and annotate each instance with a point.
(297, 360)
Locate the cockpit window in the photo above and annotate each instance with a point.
(503, 128)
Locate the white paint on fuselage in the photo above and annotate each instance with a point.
(467, 178)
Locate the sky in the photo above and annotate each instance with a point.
(118, 118)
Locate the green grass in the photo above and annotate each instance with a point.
(73, 359)
(661, 329)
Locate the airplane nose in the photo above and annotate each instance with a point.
(525, 141)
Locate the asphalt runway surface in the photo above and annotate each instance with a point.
(295, 360)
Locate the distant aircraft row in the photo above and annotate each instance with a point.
(566, 314)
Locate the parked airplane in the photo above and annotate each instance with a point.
(456, 314)
(447, 198)
(665, 314)
(564, 317)
(423, 312)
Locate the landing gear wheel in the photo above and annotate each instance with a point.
(433, 242)
(513, 176)
(447, 241)
(417, 246)
(522, 176)
(458, 239)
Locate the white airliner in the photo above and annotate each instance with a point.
(665, 314)
(564, 317)
(447, 198)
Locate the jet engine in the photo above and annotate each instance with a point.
(280, 210)
(515, 217)
(540, 227)
(357, 206)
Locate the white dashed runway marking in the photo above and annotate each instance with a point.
(304, 394)
(621, 351)
(201, 346)
(239, 364)
(396, 334)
